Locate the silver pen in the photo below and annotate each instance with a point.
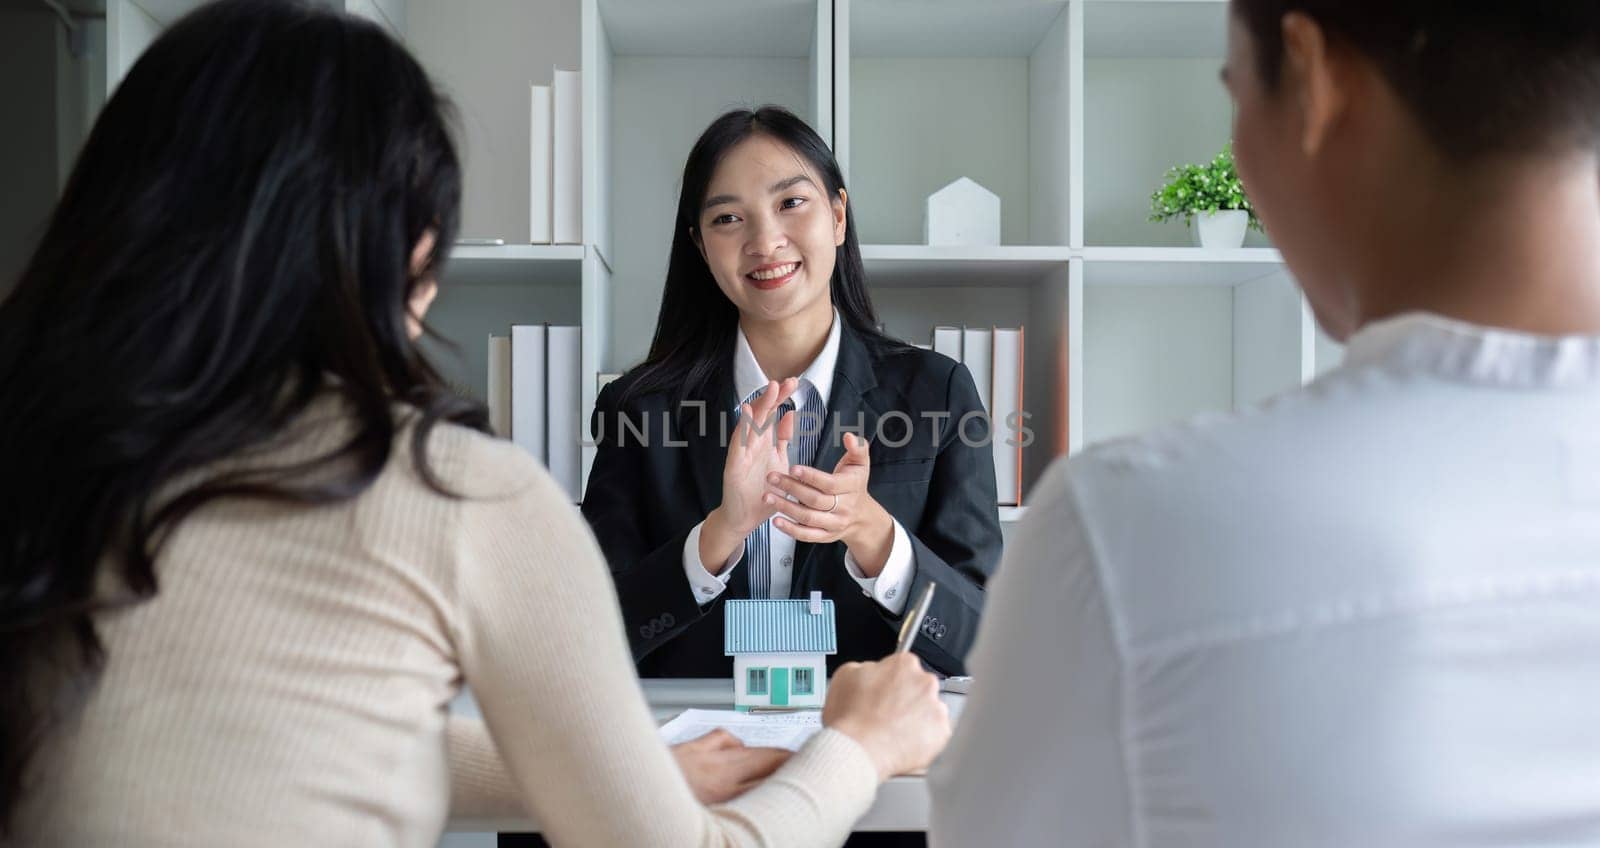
(913, 620)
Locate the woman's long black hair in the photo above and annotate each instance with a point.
(695, 331)
(236, 231)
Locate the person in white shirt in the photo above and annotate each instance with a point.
(1366, 612)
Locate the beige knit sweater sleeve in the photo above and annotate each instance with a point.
(541, 645)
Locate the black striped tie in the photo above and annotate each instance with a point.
(802, 451)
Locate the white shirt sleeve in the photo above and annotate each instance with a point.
(893, 583)
(706, 586)
(1036, 758)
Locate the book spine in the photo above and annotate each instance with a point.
(565, 405)
(528, 388)
(500, 385)
(1007, 405)
(540, 160)
(567, 173)
(947, 340)
(977, 352)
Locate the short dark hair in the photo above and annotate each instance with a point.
(1481, 76)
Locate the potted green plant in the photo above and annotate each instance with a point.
(1211, 193)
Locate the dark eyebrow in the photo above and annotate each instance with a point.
(793, 181)
(773, 189)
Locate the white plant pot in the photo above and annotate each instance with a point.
(1221, 229)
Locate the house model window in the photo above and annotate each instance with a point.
(780, 651)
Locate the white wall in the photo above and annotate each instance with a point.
(918, 124)
(29, 36)
(1049, 134)
(1328, 353)
(80, 93)
(388, 13)
(1266, 338)
(1154, 354)
(131, 29)
(485, 54)
(912, 313)
(660, 105)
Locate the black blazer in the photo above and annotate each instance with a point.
(645, 495)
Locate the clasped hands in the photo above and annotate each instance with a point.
(808, 504)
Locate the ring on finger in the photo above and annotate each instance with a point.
(835, 504)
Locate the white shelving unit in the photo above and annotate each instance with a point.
(926, 92)
(1070, 110)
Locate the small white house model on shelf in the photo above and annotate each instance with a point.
(779, 650)
(962, 212)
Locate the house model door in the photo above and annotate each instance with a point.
(780, 687)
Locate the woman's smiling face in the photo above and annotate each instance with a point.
(769, 231)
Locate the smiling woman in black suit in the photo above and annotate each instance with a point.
(731, 462)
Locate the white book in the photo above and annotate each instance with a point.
(567, 160)
(977, 352)
(947, 340)
(539, 165)
(1006, 409)
(500, 385)
(528, 388)
(565, 405)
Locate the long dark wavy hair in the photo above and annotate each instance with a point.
(237, 231)
(696, 329)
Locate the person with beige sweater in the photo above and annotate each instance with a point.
(251, 546)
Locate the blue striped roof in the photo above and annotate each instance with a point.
(778, 627)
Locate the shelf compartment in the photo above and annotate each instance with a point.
(933, 90)
(468, 315)
(1035, 297)
(484, 57)
(1152, 99)
(1159, 348)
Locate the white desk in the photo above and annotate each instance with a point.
(902, 802)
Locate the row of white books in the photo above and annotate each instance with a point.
(994, 356)
(535, 397)
(555, 160)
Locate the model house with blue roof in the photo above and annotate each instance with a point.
(779, 650)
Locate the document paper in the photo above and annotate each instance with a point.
(757, 730)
